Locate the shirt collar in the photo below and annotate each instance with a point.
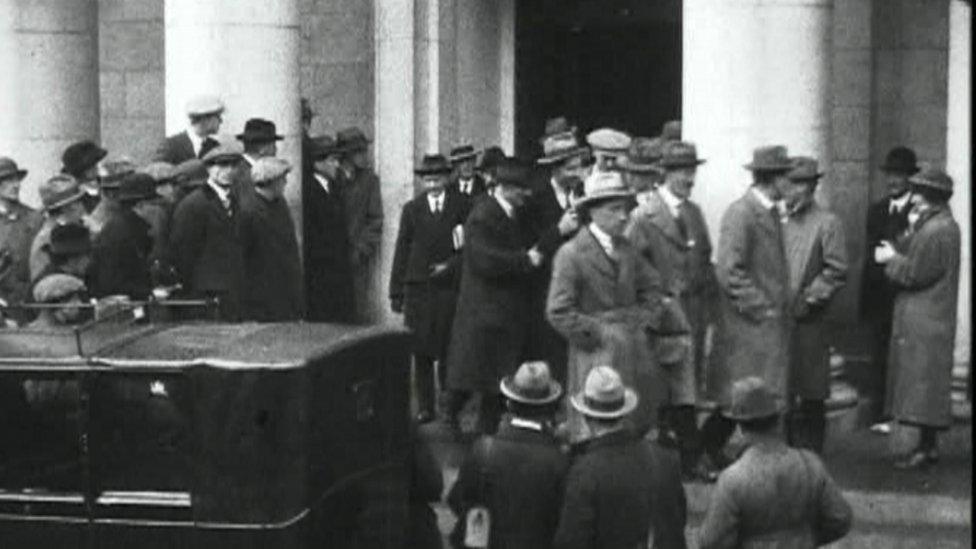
(195, 140)
(899, 203)
(431, 199)
(509, 209)
(522, 423)
(249, 159)
(324, 181)
(766, 202)
(673, 202)
(605, 240)
(562, 197)
(222, 193)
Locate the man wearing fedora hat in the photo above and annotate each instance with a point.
(486, 166)
(604, 299)
(669, 231)
(465, 180)
(773, 495)
(205, 241)
(18, 225)
(817, 258)
(924, 266)
(516, 474)
(81, 161)
(640, 166)
(205, 116)
(622, 487)
(490, 330)
(328, 272)
(426, 265)
(752, 337)
(887, 220)
(121, 251)
(61, 201)
(260, 139)
(364, 217)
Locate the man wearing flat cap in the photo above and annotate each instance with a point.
(328, 268)
(609, 145)
(273, 285)
(773, 495)
(524, 463)
(61, 201)
(816, 255)
(426, 269)
(465, 181)
(205, 116)
(622, 489)
(364, 218)
(887, 220)
(604, 299)
(205, 240)
(669, 232)
(260, 139)
(488, 337)
(81, 161)
(18, 225)
(752, 337)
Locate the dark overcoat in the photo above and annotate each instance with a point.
(924, 329)
(328, 273)
(775, 497)
(478, 191)
(207, 249)
(17, 230)
(518, 474)
(752, 338)
(605, 308)
(817, 259)
(121, 256)
(877, 291)
(424, 240)
(178, 148)
(491, 321)
(272, 267)
(364, 225)
(621, 491)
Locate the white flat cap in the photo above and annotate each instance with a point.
(202, 105)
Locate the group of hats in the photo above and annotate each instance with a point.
(438, 164)
(604, 394)
(903, 160)
(347, 140)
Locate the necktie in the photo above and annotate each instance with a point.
(679, 220)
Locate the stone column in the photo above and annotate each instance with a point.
(507, 75)
(247, 52)
(49, 91)
(755, 72)
(958, 157)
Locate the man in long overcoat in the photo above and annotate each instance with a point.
(273, 285)
(817, 259)
(426, 269)
(925, 266)
(887, 220)
(18, 225)
(205, 240)
(752, 338)
(205, 116)
(604, 299)
(669, 231)
(488, 338)
(328, 272)
(364, 217)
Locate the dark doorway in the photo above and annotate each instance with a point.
(600, 63)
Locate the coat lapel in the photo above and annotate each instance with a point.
(593, 256)
(660, 215)
(763, 216)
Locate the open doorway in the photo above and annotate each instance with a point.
(599, 62)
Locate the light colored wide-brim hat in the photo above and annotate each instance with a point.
(462, 153)
(531, 384)
(59, 191)
(559, 147)
(601, 186)
(604, 395)
(752, 399)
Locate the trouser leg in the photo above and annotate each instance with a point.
(879, 374)
(715, 434)
(424, 381)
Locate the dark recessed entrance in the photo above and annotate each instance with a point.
(599, 62)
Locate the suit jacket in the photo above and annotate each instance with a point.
(273, 287)
(518, 474)
(478, 191)
(178, 148)
(328, 272)
(207, 249)
(120, 257)
(775, 497)
(877, 291)
(490, 325)
(618, 491)
(753, 335)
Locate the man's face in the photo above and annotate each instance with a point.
(896, 182)
(680, 181)
(569, 171)
(799, 194)
(223, 172)
(514, 195)
(71, 213)
(10, 188)
(641, 182)
(919, 203)
(434, 183)
(207, 125)
(605, 161)
(465, 168)
(611, 216)
(781, 185)
(328, 166)
(359, 159)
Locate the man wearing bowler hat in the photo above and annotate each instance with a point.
(486, 166)
(61, 201)
(260, 138)
(426, 269)
(887, 220)
(669, 231)
(773, 495)
(205, 116)
(752, 337)
(18, 225)
(518, 473)
(364, 217)
(81, 161)
(622, 487)
(489, 334)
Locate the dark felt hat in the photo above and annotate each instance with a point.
(323, 146)
(490, 158)
(70, 239)
(59, 191)
(772, 158)
(804, 169)
(190, 173)
(679, 154)
(933, 178)
(642, 156)
(351, 140)
(80, 157)
(753, 399)
(137, 186)
(259, 130)
(9, 169)
(512, 171)
(433, 164)
(901, 160)
(462, 153)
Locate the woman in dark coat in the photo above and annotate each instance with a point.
(925, 267)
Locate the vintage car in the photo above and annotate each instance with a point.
(204, 435)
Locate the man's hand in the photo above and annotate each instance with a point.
(884, 252)
(569, 222)
(535, 257)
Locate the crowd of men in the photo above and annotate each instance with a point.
(589, 269)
